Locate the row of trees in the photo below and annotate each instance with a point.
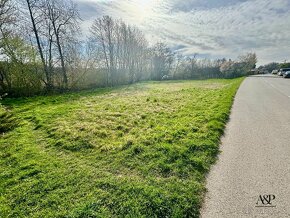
(122, 50)
(42, 51)
(240, 67)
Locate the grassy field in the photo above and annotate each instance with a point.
(134, 151)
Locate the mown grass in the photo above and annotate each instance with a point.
(134, 151)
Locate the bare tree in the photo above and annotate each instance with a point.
(7, 14)
(32, 8)
(240, 67)
(123, 49)
(103, 30)
(63, 17)
(54, 24)
(162, 57)
(249, 60)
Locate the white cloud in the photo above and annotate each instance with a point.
(224, 28)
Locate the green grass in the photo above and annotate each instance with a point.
(134, 151)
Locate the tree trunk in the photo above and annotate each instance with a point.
(65, 81)
(48, 85)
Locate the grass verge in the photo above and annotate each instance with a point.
(134, 151)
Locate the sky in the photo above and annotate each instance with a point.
(211, 28)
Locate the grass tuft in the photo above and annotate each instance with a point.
(8, 120)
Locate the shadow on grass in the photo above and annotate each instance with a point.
(60, 98)
(64, 97)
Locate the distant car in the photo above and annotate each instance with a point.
(262, 71)
(286, 74)
(274, 71)
(166, 77)
(282, 71)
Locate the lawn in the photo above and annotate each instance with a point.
(134, 151)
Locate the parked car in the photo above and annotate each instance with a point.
(286, 74)
(263, 71)
(282, 71)
(166, 77)
(274, 71)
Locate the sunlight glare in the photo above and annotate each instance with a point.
(144, 9)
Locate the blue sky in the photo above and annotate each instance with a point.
(210, 28)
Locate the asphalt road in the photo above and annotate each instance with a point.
(255, 154)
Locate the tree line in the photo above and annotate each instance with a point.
(43, 50)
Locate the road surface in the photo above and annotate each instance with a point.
(254, 164)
